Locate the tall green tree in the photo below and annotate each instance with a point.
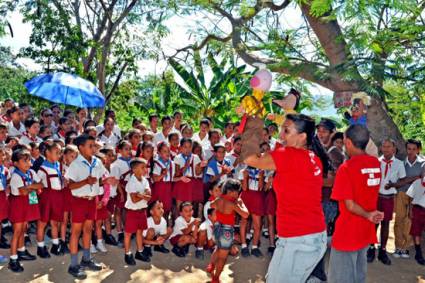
(341, 45)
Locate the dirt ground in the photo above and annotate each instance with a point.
(169, 268)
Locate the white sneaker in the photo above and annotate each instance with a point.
(92, 249)
(101, 247)
(397, 253)
(405, 254)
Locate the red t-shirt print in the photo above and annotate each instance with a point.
(298, 186)
(357, 179)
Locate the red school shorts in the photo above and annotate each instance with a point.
(135, 220)
(254, 201)
(83, 209)
(20, 210)
(51, 205)
(386, 205)
(418, 221)
(163, 191)
(175, 240)
(101, 213)
(67, 200)
(271, 204)
(182, 191)
(4, 206)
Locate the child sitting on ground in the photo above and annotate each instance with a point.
(185, 231)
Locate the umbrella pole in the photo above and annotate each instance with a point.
(66, 98)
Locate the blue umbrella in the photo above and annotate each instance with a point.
(66, 89)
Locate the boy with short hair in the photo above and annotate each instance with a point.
(356, 190)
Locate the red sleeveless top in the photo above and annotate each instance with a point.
(223, 218)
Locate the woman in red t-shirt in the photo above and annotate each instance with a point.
(298, 185)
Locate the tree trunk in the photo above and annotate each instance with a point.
(381, 126)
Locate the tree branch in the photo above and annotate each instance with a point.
(117, 80)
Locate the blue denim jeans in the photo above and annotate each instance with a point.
(223, 236)
(295, 258)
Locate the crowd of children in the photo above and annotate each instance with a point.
(87, 186)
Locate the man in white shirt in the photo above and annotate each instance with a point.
(393, 173)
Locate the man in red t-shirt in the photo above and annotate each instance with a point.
(356, 189)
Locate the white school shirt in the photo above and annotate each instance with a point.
(207, 206)
(79, 171)
(225, 139)
(207, 225)
(13, 132)
(16, 182)
(253, 181)
(231, 156)
(159, 229)
(208, 151)
(112, 140)
(54, 181)
(194, 161)
(116, 130)
(7, 173)
(211, 172)
(171, 170)
(118, 168)
(205, 142)
(396, 171)
(136, 186)
(159, 137)
(417, 192)
(26, 140)
(179, 225)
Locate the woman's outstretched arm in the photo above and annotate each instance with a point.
(264, 162)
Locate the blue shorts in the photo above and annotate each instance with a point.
(223, 236)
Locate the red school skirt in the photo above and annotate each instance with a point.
(182, 191)
(20, 209)
(197, 190)
(163, 191)
(51, 205)
(271, 203)
(101, 213)
(4, 206)
(254, 201)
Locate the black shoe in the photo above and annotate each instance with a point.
(91, 265)
(129, 259)
(161, 249)
(42, 252)
(245, 252)
(270, 250)
(185, 249)
(15, 265)
(142, 256)
(110, 240)
(26, 256)
(371, 252)
(148, 251)
(64, 247)
(27, 241)
(57, 249)
(419, 258)
(77, 271)
(199, 254)
(120, 239)
(383, 257)
(177, 251)
(256, 252)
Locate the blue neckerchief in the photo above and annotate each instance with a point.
(3, 176)
(92, 165)
(25, 176)
(127, 160)
(253, 173)
(213, 164)
(165, 162)
(186, 158)
(54, 166)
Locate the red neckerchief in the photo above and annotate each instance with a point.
(387, 166)
(211, 198)
(229, 198)
(61, 133)
(29, 137)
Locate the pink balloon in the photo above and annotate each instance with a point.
(262, 80)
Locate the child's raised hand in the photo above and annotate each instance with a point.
(164, 172)
(185, 179)
(204, 163)
(197, 221)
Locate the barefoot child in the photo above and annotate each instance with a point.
(227, 206)
(138, 195)
(185, 231)
(51, 200)
(157, 232)
(23, 208)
